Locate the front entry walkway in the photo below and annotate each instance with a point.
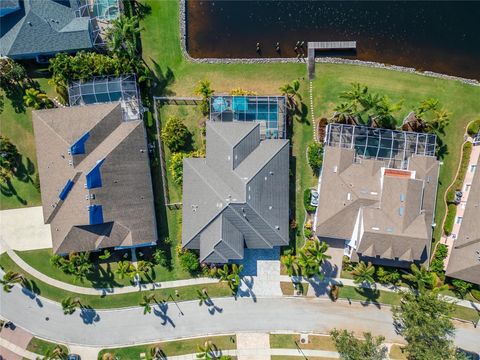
(24, 229)
(249, 344)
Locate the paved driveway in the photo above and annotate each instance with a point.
(24, 229)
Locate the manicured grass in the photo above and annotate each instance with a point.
(172, 348)
(396, 353)
(39, 346)
(112, 301)
(288, 288)
(16, 124)
(102, 276)
(369, 296)
(290, 341)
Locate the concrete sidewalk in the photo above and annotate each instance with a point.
(22, 353)
(24, 235)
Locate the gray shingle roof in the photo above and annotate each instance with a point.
(44, 27)
(385, 213)
(464, 262)
(125, 192)
(238, 195)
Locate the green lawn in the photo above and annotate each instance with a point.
(290, 341)
(16, 124)
(39, 346)
(172, 348)
(112, 301)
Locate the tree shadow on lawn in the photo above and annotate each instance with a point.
(162, 80)
(371, 295)
(7, 189)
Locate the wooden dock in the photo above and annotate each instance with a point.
(325, 45)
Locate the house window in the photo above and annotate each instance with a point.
(459, 220)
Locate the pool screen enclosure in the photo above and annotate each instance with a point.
(390, 146)
(268, 111)
(106, 89)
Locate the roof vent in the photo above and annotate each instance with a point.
(373, 193)
(401, 210)
(402, 197)
(277, 227)
(270, 207)
(349, 196)
(389, 230)
(335, 168)
(375, 228)
(271, 172)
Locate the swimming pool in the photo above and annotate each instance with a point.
(269, 111)
(105, 9)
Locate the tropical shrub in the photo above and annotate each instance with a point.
(160, 257)
(315, 156)
(474, 128)
(8, 159)
(441, 253)
(351, 348)
(306, 201)
(204, 89)
(461, 287)
(189, 261)
(450, 219)
(387, 276)
(176, 167)
(240, 91)
(36, 99)
(347, 264)
(175, 134)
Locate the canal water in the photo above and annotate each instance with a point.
(441, 36)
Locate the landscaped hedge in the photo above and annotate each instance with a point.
(315, 156)
(306, 201)
(474, 128)
(449, 221)
(467, 150)
(475, 293)
(441, 253)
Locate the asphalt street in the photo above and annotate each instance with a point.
(107, 328)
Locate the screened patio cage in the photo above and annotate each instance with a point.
(392, 147)
(269, 111)
(104, 89)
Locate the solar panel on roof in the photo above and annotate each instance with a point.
(94, 178)
(66, 189)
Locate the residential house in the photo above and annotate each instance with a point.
(95, 178)
(237, 196)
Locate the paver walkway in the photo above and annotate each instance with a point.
(21, 352)
(24, 235)
(253, 346)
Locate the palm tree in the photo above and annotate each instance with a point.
(307, 264)
(34, 98)
(202, 296)
(223, 273)
(425, 106)
(289, 261)
(70, 304)
(146, 301)
(438, 123)
(343, 113)
(207, 351)
(420, 278)
(122, 36)
(384, 113)
(369, 101)
(10, 278)
(318, 250)
(56, 353)
(291, 91)
(143, 267)
(125, 269)
(355, 95)
(156, 353)
(234, 277)
(205, 90)
(363, 273)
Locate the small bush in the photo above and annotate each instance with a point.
(347, 264)
(188, 261)
(160, 257)
(175, 134)
(315, 156)
(306, 201)
(461, 287)
(176, 167)
(308, 233)
(450, 220)
(36, 182)
(440, 255)
(475, 293)
(387, 276)
(474, 128)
